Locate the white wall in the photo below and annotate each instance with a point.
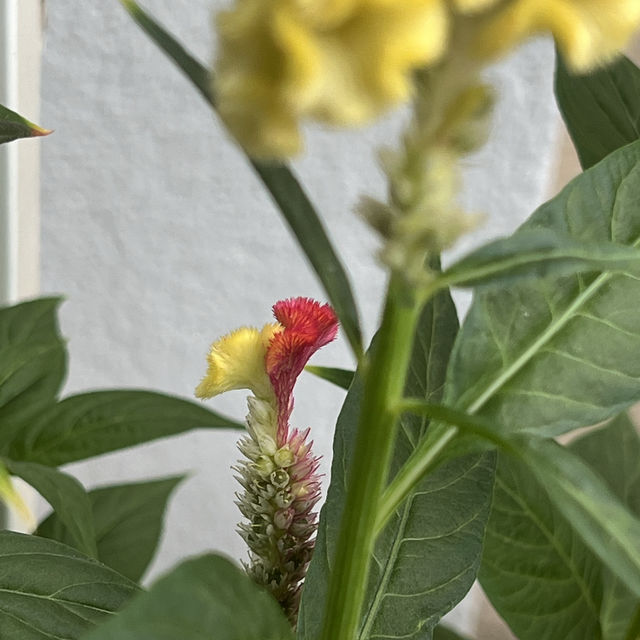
(162, 239)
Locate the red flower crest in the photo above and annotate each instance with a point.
(308, 325)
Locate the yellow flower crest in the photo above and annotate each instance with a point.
(237, 361)
(344, 62)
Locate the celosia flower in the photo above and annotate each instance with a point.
(344, 62)
(279, 474)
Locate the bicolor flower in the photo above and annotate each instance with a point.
(279, 472)
(345, 62)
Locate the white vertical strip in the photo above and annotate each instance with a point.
(8, 154)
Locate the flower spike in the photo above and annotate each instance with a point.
(279, 472)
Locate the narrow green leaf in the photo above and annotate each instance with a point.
(308, 229)
(427, 557)
(537, 253)
(192, 68)
(90, 424)
(601, 109)
(206, 597)
(32, 362)
(283, 186)
(340, 377)
(49, 591)
(14, 126)
(128, 523)
(68, 499)
(556, 354)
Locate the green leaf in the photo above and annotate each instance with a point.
(613, 452)
(539, 573)
(49, 591)
(556, 354)
(537, 253)
(14, 126)
(90, 424)
(66, 496)
(601, 109)
(444, 633)
(340, 377)
(32, 362)
(427, 557)
(283, 186)
(204, 598)
(128, 523)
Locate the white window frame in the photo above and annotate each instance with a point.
(21, 24)
(20, 55)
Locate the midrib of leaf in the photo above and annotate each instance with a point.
(61, 601)
(554, 328)
(554, 543)
(384, 581)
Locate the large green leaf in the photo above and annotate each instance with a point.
(93, 423)
(66, 496)
(14, 126)
(559, 353)
(285, 189)
(614, 452)
(601, 109)
(444, 633)
(32, 362)
(205, 598)
(49, 591)
(427, 557)
(537, 570)
(128, 523)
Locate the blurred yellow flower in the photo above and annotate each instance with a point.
(588, 32)
(344, 62)
(341, 62)
(236, 361)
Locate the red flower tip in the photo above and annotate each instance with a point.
(307, 326)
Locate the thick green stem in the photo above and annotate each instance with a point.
(383, 389)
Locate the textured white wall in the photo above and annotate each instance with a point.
(162, 239)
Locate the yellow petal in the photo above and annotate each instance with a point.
(13, 499)
(236, 361)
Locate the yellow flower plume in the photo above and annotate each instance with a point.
(341, 62)
(237, 361)
(344, 62)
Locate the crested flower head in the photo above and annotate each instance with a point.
(279, 472)
(344, 62)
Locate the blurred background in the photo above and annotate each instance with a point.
(161, 239)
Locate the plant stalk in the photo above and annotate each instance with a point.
(384, 387)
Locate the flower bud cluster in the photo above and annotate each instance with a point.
(422, 217)
(281, 489)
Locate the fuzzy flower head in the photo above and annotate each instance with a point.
(279, 472)
(345, 62)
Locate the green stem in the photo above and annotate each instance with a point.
(426, 454)
(383, 389)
